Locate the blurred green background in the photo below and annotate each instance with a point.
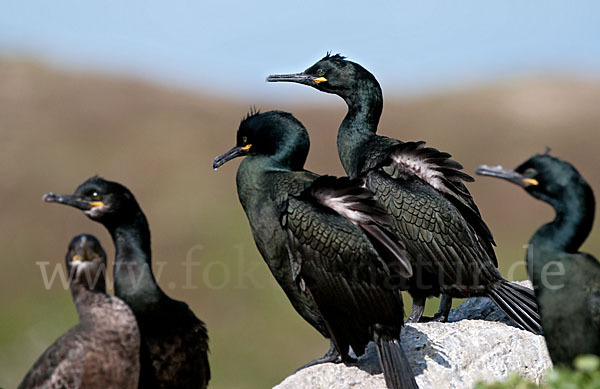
(147, 93)
(60, 127)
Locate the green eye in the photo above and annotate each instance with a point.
(530, 173)
(321, 72)
(245, 139)
(95, 196)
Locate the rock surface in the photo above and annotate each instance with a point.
(479, 343)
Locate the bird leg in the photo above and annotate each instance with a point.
(331, 356)
(418, 307)
(444, 311)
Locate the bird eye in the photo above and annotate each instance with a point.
(320, 72)
(530, 173)
(95, 196)
(245, 139)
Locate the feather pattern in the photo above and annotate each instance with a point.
(332, 232)
(101, 351)
(432, 166)
(349, 199)
(341, 269)
(444, 174)
(339, 245)
(434, 233)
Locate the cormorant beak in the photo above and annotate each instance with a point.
(300, 78)
(72, 200)
(237, 151)
(507, 174)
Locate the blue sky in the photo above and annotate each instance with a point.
(230, 46)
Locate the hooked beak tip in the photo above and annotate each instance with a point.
(218, 162)
(49, 197)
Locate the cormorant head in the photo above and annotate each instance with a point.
(332, 74)
(86, 260)
(544, 177)
(104, 201)
(275, 134)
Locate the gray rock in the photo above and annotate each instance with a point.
(479, 343)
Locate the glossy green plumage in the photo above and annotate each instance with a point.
(449, 244)
(325, 241)
(567, 281)
(435, 233)
(265, 222)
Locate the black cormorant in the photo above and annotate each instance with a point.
(102, 351)
(330, 234)
(566, 281)
(174, 341)
(450, 246)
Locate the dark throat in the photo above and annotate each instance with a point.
(134, 280)
(365, 104)
(573, 221)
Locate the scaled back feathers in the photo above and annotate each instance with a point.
(441, 172)
(351, 200)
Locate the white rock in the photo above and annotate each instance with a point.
(478, 344)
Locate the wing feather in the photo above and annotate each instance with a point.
(345, 256)
(436, 168)
(433, 230)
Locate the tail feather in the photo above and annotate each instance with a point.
(395, 366)
(518, 303)
(526, 297)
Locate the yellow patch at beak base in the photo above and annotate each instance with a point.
(76, 258)
(247, 147)
(96, 204)
(319, 80)
(530, 181)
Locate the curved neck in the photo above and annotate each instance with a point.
(134, 280)
(365, 105)
(573, 221)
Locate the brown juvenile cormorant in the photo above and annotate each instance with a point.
(331, 233)
(102, 351)
(450, 246)
(566, 281)
(174, 341)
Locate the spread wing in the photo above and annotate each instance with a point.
(344, 203)
(433, 229)
(441, 172)
(343, 255)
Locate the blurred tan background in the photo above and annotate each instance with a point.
(59, 126)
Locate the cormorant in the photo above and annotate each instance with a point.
(450, 246)
(174, 341)
(102, 350)
(331, 236)
(566, 281)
